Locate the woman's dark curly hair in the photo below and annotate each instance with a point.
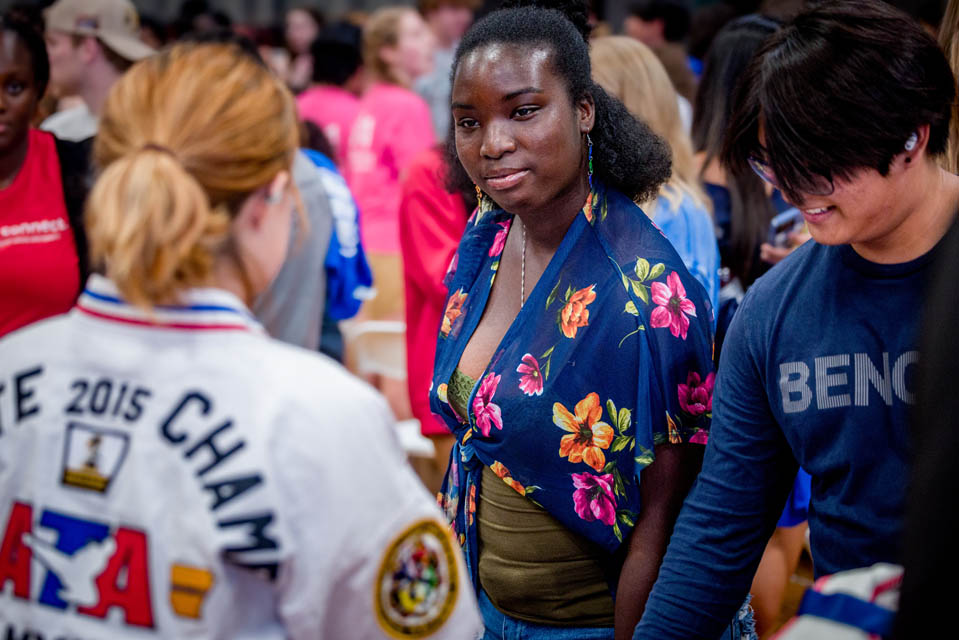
(576, 11)
(18, 23)
(627, 155)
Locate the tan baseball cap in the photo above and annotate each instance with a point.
(114, 22)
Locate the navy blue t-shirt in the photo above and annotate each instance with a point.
(819, 371)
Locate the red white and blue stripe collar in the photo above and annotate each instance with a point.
(200, 309)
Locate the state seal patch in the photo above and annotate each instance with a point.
(417, 584)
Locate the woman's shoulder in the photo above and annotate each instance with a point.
(309, 376)
(311, 398)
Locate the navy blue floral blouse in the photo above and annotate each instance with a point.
(610, 356)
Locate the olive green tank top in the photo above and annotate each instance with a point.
(530, 565)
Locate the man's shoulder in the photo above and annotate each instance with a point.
(75, 123)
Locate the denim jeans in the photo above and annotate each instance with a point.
(743, 626)
(500, 626)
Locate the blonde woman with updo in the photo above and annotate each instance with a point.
(166, 467)
(629, 70)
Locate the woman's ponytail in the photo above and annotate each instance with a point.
(154, 231)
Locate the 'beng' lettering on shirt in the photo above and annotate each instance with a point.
(828, 379)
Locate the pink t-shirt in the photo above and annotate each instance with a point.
(333, 110)
(392, 126)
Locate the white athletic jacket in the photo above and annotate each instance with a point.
(181, 475)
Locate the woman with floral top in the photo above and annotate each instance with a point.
(575, 351)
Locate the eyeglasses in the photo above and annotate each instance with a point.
(819, 186)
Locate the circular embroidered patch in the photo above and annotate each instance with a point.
(417, 583)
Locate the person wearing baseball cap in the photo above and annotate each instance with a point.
(90, 43)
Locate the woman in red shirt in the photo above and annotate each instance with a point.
(42, 188)
(432, 220)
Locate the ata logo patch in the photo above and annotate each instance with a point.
(92, 456)
(76, 565)
(417, 583)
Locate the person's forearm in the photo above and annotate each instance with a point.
(663, 487)
(647, 547)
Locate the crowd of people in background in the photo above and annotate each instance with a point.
(648, 296)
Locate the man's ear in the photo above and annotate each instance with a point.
(915, 146)
(89, 49)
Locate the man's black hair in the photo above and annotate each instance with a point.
(337, 54)
(20, 25)
(840, 89)
(675, 14)
(627, 155)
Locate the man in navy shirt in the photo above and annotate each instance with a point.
(844, 110)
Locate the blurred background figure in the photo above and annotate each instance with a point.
(303, 25)
(662, 25)
(392, 126)
(153, 32)
(90, 44)
(932, 523)
(742, 206)
(271, 45)
(332, 100)
(929, 13)
(448, 20)
(949, 41)
(348, 276)
(708, 19)
(628, 70)
(198, 16)
(43, 183)
(432, 220)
